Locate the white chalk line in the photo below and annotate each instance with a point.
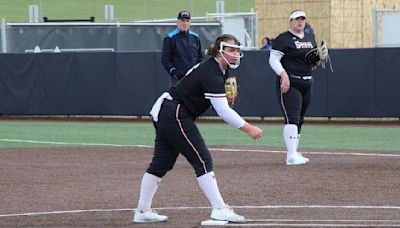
(309, 152)
(212, 149)
(311, 225)
(71, 143)
(197, 208)
(321, 220)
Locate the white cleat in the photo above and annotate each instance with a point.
(226, 214)
(302, 157)
(296, 160)
(148, 216)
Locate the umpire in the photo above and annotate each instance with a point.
(181, 49)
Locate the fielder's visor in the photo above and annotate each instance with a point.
(297, 14)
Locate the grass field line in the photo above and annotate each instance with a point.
(237, 207)
(212, 149)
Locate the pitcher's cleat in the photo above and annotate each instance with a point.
(148, 216)
(226, 213)
(302, 157)
(295, 160)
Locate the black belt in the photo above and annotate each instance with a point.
(301, 77)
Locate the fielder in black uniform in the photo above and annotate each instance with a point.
(294, 81)
(174, 115)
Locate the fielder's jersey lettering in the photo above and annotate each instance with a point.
(303, 44)
(294, 49)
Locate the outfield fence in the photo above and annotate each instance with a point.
(364, 84)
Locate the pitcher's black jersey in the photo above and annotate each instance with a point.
(204, 81)
(293, 49)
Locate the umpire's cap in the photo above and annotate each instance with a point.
(184, 14)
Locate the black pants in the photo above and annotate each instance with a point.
(177, 133)
(295, 101)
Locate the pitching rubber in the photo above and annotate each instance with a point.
(212, 222)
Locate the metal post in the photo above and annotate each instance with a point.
(220, 6)
(375, 26)
(3, 36)
(33, 13)
(256, 31)
(109, 13)
(220, 9)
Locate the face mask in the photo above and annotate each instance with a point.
(221, 50)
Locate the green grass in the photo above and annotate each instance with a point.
(124, 10)
(330, 137)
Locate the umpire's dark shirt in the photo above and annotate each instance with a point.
(181, 51)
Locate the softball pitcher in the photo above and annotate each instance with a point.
(174, 115)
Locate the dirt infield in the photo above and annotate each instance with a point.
(98, 187)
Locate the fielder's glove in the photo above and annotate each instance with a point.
(317, 56)
(231, 90)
